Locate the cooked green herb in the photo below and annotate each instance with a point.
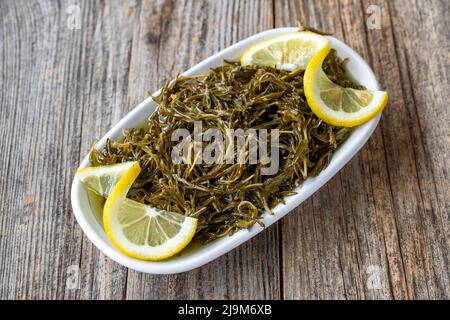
(228, 197)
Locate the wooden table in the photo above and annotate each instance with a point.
(70, 70)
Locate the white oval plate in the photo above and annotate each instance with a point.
(190, 259)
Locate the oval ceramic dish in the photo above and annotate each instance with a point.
(91, 224)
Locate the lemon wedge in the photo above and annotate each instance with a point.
(102, 179)
(287, 52)
(337, 105)
(140, 231)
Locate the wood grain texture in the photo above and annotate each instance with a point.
(63, 84)
(387, 210)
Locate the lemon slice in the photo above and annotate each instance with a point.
(102, 179)
(140, 231)
(287, 52)
(336, 105)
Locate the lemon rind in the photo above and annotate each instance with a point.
(149, 253)
(330, 116)
(246, 56)
(117, 195)
(81, 173)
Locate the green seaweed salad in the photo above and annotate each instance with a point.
(227, 197)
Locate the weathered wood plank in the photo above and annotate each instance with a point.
(374, 217)
(421, 35)
(41, 121)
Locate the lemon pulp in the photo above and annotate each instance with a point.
(337, 105)
(140, 231)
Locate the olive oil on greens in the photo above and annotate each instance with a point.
(228, 197)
